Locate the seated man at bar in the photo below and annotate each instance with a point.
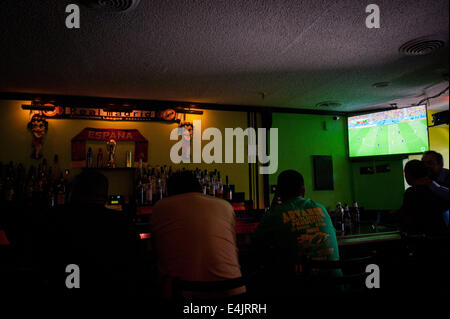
(194, 237)
(423, 210)
(435, 165)
(295, 229)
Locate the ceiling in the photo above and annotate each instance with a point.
(279, 53)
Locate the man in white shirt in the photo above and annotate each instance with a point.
(194, 236)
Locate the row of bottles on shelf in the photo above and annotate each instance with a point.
(98, 162)
(151, 183)
(345, 219)
(42, 185)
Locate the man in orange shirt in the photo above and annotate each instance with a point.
(194, 236)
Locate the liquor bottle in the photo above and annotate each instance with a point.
(149, 191)
(61, 191)
(356, 218)
(89, 157)
(347, 219)
(219, 192)
(337, 216)
(227, 191)
(340, 225)
(44, 168)
(140, 165)
(140, 193)
(100, 158)
(356, 215)
(129, 159)
(211, 185)
(20, 182)
(30, 185)
(56, 171)
(9, 192)
(51, 195)
(159, 189)
(203, 183)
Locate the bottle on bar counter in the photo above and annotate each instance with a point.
(129, 159)
(219, 192)
(227, 191)
(9, 191)
(356, 218)
(347, 219)
(89, 157)
(30, 185)
(356, 215)
(338, 216)
(100, 158)
(149, 191)
(61, 191)
(140, 193)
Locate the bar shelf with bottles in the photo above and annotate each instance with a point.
(346, 219)
(42, 186)
(151, 185)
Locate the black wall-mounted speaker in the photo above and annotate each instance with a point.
(440, 118)
(323, 173)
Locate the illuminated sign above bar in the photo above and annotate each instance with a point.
(107, 114)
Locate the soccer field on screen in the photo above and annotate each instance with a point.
(402, 138)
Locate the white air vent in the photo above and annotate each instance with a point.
(112, 5)
(424, 45)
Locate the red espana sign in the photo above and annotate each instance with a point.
(98, 134)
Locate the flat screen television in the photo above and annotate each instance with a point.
(393, 132)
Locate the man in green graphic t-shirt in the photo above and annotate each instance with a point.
(297, 227)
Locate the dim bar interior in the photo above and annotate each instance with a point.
(238, 153)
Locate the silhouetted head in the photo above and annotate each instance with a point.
(290, 185)
(183, 182)
(89, 187)
(415, 171)
(434, 163)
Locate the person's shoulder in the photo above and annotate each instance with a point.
(218, 203)
(306, 203)
(197, 198)
(418, 192)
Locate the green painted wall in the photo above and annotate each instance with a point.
(382, 191)
(301, 136)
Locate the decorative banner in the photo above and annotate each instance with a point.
(168, 115)
(98, 134)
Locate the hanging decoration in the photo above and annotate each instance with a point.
(38, 127)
